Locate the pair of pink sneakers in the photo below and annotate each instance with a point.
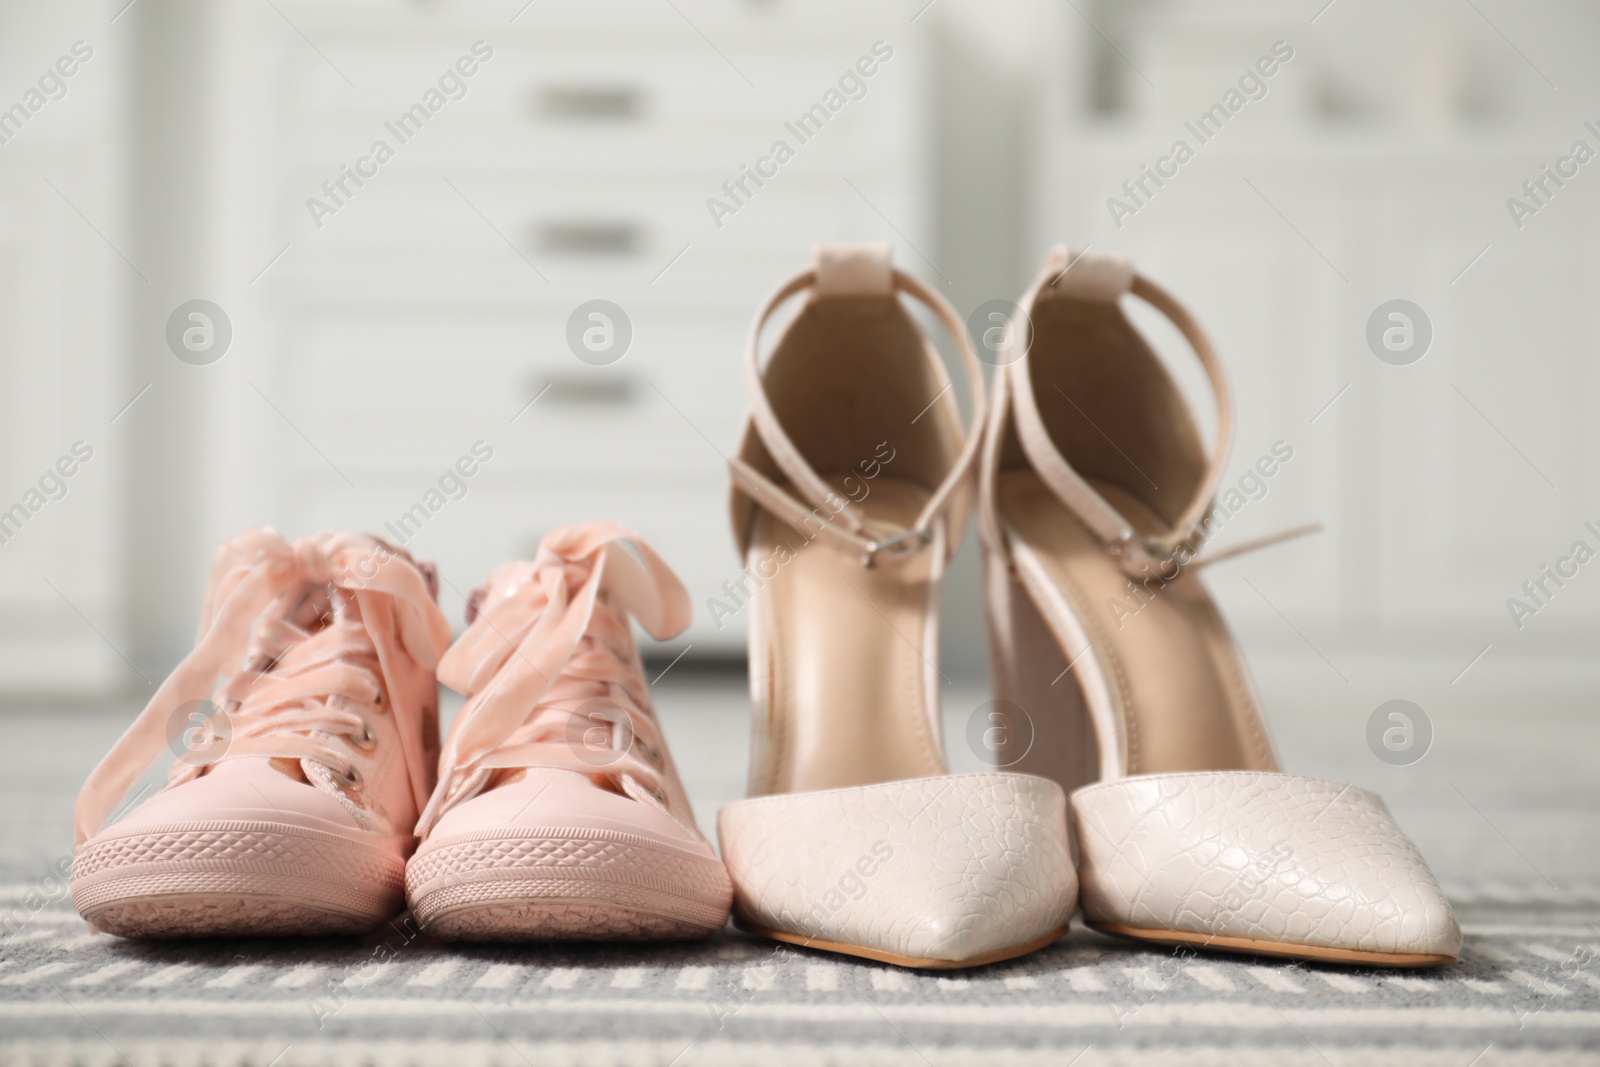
(311, 794)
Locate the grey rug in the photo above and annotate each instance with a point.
(1528, 986)
(1506, 815)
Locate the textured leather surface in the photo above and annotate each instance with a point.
(1260, 855)
(1095, 488)
(855, 844)
(941, 868)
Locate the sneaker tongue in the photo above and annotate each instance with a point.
(314, 609)
(321, 613)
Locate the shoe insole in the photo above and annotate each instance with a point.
(850, 652)
(1168, 657)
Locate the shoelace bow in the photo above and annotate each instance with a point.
(296, 694)
(547, 664)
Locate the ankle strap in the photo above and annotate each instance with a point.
(1101, 277)
(857, 270)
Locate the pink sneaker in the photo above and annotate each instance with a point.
(291, 809)
(559, 814)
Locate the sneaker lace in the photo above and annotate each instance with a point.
(550, 670)
(311, 677)
(305, 675)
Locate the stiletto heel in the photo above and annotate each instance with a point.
(1030, 676)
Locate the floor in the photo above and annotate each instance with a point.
(1504, 804)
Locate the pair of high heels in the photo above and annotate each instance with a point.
(311, 793)
(1117, 684)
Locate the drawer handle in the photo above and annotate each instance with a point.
(589, 238)
(592, 389)
(588, 102)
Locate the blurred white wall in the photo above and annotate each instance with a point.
(1374, 165)
(65, 294)
(382, 332)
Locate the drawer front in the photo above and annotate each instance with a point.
(572, 226)
(585, 81)
(510, 379)
(427, 307)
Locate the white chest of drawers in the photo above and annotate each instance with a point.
(431, 306)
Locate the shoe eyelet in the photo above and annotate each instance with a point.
(350, 780)
(366, 740)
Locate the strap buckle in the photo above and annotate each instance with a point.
(1158, 551)
(899, 546)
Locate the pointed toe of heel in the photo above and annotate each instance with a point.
(951, 871)
(1259, 862)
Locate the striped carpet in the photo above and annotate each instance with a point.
(1526, 988)
(1507, 819)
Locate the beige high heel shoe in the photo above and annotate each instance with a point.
(1096, 501)
(850, 492)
